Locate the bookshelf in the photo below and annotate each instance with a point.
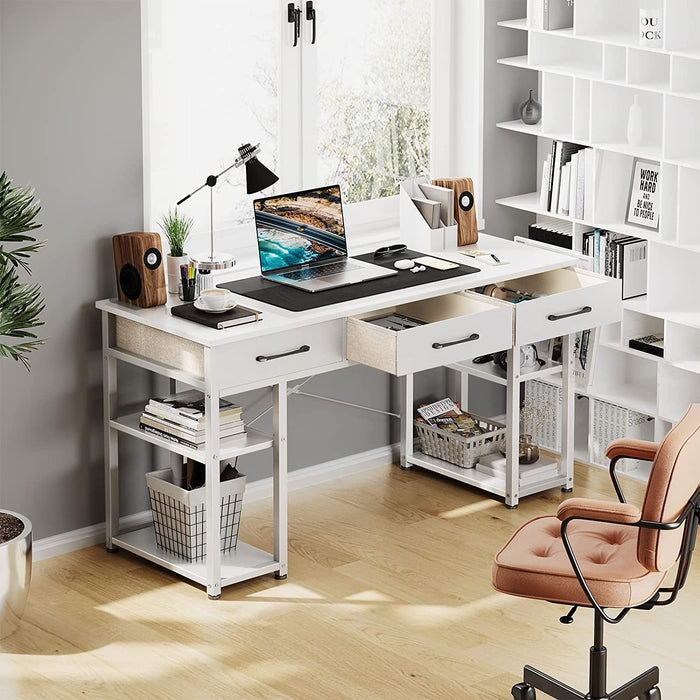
(588, 76)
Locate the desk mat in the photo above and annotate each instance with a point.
(292, 299)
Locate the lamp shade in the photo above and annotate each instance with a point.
(258, 177)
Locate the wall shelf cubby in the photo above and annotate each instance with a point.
(589, 76)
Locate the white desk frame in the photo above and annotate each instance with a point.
(216, 381)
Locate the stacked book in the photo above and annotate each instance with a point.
(180, 418)
(560, 233)
(550, 14)
(494, 465)
(620, 256)
(567, 181)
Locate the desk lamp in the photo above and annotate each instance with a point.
(258, 177)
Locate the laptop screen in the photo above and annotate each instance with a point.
(299, 228)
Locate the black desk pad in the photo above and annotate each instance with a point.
(292, 299)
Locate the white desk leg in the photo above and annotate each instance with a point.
(513, 428)
(279, 475)
(567, 414)
(406, 410)
(111, 452)
(213, 483)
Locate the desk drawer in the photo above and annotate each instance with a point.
(286, 353)
(573, 301)
(457, 327)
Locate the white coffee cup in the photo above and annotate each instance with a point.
(216, 299)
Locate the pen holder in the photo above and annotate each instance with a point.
(187, 291)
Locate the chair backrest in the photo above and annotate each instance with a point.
(674, 478)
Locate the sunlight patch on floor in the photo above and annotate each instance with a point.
(370, 597)
(288, 591)
(433, 615)
(464, 511)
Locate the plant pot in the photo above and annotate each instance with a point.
(15, 576)
(174, 270)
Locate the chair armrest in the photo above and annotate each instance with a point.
(607, 511)
(635, 449)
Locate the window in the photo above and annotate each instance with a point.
(353, 108)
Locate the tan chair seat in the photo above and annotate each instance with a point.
(534, 564)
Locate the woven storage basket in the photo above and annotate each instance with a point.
(459, 450)
(179, 516)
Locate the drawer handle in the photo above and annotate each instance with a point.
(473, 336)
(265, 358)
(558, 317)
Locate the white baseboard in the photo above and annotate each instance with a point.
(48, 547)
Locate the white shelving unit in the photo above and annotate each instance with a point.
(589, 76)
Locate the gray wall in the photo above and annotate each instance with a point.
(507, 149)
(70, 125)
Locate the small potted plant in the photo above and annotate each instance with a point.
(176, 229)
(20, 307)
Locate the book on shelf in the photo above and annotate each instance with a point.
(620, 256)
(197, 437)
(187, 407)
(653, 344)
(167, 436)
(559, 234)
(430, 211)
(557, 14)
(494, 465)
(564, 175)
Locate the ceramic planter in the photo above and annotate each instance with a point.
(15, 576)
(174, 271)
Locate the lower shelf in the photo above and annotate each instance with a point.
(240, 565)
(479, 480)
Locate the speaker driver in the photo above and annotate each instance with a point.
(152, 258)
(466, 201)
(130, 281)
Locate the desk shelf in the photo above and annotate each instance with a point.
(244, 563)
(230, 447)
(474, 478)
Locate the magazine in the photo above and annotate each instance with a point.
(447, 415)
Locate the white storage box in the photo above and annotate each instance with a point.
(179, 516)
(610, 422)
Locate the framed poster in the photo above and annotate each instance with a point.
(645, 194)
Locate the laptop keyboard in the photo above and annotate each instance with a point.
(313, 272)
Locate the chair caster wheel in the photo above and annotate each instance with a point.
(523, 691)
(214, 597)
(112, 550)
(281, 577)
(565, 490)
(651, 694)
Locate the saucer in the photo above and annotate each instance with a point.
(206, 309)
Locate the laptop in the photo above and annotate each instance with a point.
(301, 242)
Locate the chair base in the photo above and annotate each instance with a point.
(644, 687)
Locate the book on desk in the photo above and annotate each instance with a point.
(235, 317)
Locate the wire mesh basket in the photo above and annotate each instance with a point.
(459, 450)
(179, 516)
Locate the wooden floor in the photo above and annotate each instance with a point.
(389, 596)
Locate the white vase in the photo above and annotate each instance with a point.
(635, 124)
(174, 271)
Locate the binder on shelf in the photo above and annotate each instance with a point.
(415, 229)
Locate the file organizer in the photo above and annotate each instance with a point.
(414, 228)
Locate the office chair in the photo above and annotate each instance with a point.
(604, 555)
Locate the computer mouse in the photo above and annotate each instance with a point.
(404, 264)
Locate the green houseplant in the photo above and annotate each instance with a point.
(21, 305)
(176, 229)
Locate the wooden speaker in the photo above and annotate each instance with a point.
(138, 264)
(465, 208)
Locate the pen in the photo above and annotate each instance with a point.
(495, 258)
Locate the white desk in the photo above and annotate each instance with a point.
(271, 353)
